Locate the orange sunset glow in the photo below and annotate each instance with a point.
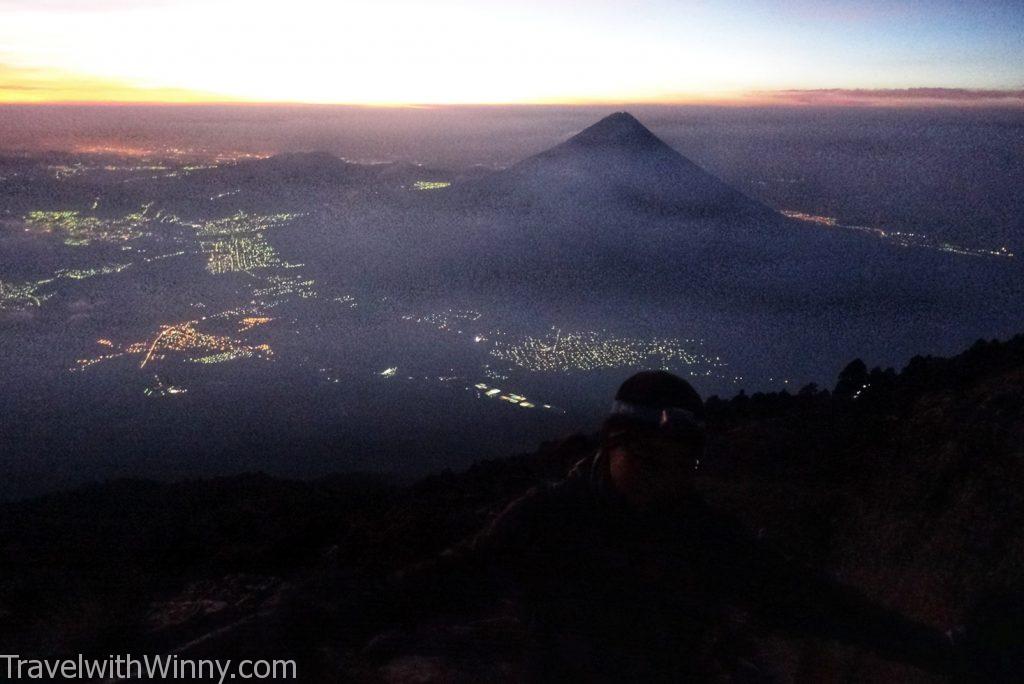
(454, 52)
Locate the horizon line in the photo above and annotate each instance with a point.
(882, 98)
(784, 97)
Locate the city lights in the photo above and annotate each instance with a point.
(591, 350)
(487, 392)
(235, 254)
(79, 230)
(430, 185)
(238, 243)
(901, 238)
(83, 273)
(16, 297)
(211, 348)
(250, 322)
(243, 222)
(185, 339)
(448, 320)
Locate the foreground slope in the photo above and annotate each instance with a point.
(906, 485)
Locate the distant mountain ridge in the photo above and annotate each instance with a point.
(300, 167)
(615, 165)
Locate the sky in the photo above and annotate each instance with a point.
(398, 52)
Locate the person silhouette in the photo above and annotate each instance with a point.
(625, 571)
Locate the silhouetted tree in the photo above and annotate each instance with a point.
(808, 390)
(852, 379)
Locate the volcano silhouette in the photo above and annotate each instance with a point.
(618, 163)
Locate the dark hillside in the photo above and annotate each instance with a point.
(907, 485)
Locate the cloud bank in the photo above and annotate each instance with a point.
(892, 97)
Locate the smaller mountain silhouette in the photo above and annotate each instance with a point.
(302, 167)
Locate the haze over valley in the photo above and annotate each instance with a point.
(326, 298)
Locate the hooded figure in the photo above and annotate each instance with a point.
(627, 573)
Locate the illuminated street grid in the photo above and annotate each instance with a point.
(83, 273)
(186, 339)
(242, 222)
(167, 154)
(238, 243)
(262, 351)
(236, 254)
(451, 320)
(18, 297)
(160, 257)
(80, 230)
(564, 352)
(230, 244)
(901, 238)
(226, 255)
(141, 164)
(182, 338)
(250, 322)
(279, 288)
(590, 350)
(205, 348)
(62, 171)
(430, 185)
(165, 172)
